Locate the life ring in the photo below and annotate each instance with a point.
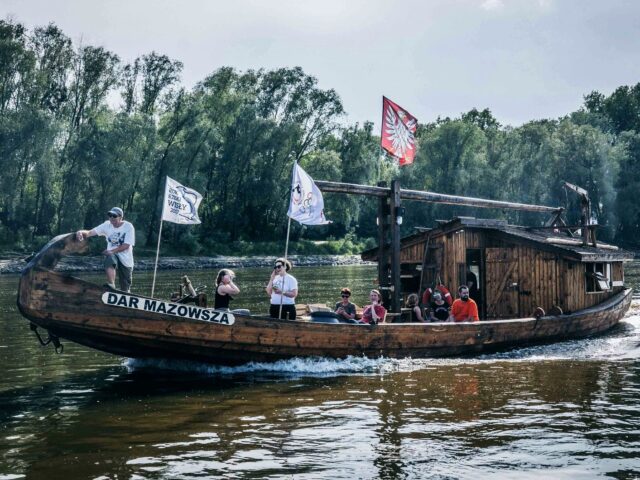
(446, 295)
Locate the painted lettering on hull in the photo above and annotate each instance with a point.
(157, 306)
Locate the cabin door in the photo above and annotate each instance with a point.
(501, 283)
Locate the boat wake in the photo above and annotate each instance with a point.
(621, 344)
(314, 366)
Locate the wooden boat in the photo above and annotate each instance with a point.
(519, 271)
(142, 327)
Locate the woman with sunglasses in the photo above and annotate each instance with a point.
(345, 308)
(224, 289)
(283, 289)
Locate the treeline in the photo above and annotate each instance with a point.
(81, 131)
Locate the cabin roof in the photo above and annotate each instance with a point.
(544, 239)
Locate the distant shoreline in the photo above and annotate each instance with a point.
(94, 263)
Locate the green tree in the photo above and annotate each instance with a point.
(586, 157)
(628, 186)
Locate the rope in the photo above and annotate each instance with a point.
(51, 338)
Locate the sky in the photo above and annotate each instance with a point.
(522, 59)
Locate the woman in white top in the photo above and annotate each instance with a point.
(283, 290)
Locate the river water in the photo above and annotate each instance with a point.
(565, 411)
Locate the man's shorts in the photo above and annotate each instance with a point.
(125, 274)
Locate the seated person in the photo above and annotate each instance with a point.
(224, 289)
(374, 313)
(415, 315)
(444, 291)
(464, 309)
(345, 308)
(438, 308)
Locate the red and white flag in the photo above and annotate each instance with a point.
(398, 132)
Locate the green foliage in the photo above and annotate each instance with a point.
(67, 154)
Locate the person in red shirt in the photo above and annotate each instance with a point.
(374, 313)
(464, 309)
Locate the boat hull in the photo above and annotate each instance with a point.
(73, 309)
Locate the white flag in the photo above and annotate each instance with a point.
(307, 205)
(180, 204)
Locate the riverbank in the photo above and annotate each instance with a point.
(94, 263)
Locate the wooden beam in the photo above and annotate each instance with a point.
(472, 202)
(383, 263)
(353, 189)
(417, 195)
(395, 204)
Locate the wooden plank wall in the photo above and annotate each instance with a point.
(412, 253)
(454, 253)
(578, 297)
(502, 271)
(545, 279)
(539, 283)
(617, 274)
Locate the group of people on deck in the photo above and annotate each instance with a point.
(437, 304)
(283, 290)
(439, 307)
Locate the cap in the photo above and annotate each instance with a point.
(117, 211)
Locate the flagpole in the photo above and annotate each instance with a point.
(286, 252)
(286, 247)
(155, 267)
(382, 155)
(164, 204)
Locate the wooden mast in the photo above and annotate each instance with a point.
(383, 251)
(396, 220)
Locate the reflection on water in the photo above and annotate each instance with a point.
(567, 410)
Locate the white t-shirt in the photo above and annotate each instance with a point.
(290, 283)
(125, 233)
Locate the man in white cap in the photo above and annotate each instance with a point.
(121, 237)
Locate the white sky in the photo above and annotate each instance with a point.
(522, 59)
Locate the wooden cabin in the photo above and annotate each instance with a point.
(517, 268)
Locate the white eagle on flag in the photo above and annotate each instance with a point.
(398, 132)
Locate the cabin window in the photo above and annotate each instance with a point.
(598, 277)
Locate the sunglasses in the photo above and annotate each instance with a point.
(277, 267)
(112, 215)
(345, 296)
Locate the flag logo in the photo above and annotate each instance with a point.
(180, 204)
(306, 205)
(398, 132)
